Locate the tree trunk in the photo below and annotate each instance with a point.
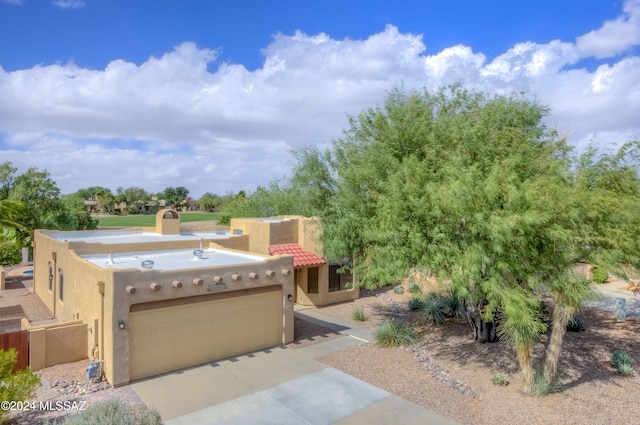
(560, 319)
(523, 354)
(482, 331)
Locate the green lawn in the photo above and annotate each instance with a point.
(149, 220)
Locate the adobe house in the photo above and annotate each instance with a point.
(153, 300)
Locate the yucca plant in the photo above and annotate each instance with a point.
(416, 303)
(398, 289)
(575, 325)
(543, 386)
(626, 370)
(393, 333)
(623, 362)
(453, 304)
(433, 310)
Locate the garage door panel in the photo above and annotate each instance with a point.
(170, 338)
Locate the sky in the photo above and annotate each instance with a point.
(214, 95)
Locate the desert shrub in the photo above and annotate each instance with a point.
(433, 310)
(415, 303)
(393, 333)
(626, 370)
(575, 325)
(600, 274)
(358, 314)
(15, 386)
(115, 412)
(542, 387)
(500, 379)
(453, 305)
(623, 362)
(414, 288)
(398, 289)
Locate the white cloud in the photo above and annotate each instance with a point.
(171, 121)
(69, 4)
(614, 37)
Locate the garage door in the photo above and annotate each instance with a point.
(172, 337)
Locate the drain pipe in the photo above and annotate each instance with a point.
(101, 348)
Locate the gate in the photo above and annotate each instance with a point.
(20, 341)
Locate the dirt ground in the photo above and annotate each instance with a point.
(451, 374)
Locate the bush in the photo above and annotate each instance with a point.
(393, 333)
(115, 412)
(398, 289)
(575, 325)
(500, 379)
(415, 303)
(542, 387)
(600, 274)
(433, 310)
(9, 254)
(623, 362)
(453, 305)
(224, 220)
(15, 386)
(414, 288)
(359, 314)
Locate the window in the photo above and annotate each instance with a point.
(237, 231)
(339, 281)
(312, 280)
(61, 283)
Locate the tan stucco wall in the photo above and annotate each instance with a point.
(263, 234)
(84, 301)
(167, 222)
(56, 343)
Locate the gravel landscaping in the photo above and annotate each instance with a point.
(446, 371)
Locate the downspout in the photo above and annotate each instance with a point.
(54, 285)
(101, 348)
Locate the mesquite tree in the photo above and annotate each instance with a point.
(476, 190)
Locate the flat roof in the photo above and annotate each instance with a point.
(131, 236)
(174, 259)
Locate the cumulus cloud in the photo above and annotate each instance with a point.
(172, 121)
(614, 37)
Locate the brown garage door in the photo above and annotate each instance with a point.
(168, 338)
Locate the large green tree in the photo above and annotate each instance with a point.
(476, 190)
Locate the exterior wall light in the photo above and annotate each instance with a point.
(147, 264)
(290, 297)
(121, 324)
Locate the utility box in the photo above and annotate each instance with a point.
(93, 370)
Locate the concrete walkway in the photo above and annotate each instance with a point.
(615, 288)
(281, 386)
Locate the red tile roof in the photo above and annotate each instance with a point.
(301, 257)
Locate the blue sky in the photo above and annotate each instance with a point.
(213, 95)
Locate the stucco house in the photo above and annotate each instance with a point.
(153, 300)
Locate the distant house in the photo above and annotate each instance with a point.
(153, 300)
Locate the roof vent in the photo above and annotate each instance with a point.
(147, 264)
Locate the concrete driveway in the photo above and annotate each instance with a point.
(279, 386)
